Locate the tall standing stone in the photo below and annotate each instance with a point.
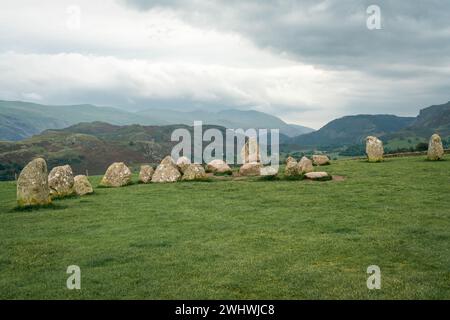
(305, 165)
(435, 148)
(32, 184)
(60, 181)
(374, 149)
(291, 169)
(250, 152)
(117, 175)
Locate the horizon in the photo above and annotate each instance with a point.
(309, 63)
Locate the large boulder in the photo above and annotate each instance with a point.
(374, 149)
(305, 165)
(194, 172)
(320, 160)
(218, 166)
(291, 169)
(60, 181)
(146, 174)
(82, 186)
(269, 171)
(435, 148)
(250, 152)
(183, 163)
(167, 171)
(32, 185)
(319, 176)
(117, 175)
(250, 169)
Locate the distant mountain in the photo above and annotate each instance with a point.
(20, 120)
(434, 119)
(351, 130)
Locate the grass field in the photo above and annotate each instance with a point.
(239, 239)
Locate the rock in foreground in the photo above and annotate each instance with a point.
(435, 148)
(117, 175)
(82, 186)
(60, 181)
(167, 171)
(183, 163)
(291, 169)
(270, 171)
(32, 185)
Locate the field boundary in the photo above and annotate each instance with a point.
(401, 154)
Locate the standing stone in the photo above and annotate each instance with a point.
(289, 159)
(320, 160)
(82, 186)
(435, 148)
(183, 163)
(146, 174)
(167, 171)
(250, 169)
(305, 165)
(218, 166)
(117, 175)
(374, 149)
(194, 172)
(291, 169)
(32, 185)
(250, 152)
(60, 181)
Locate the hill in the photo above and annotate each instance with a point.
(89, 146)
(351, 130)
(20, 120)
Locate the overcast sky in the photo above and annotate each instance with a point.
(307, 62)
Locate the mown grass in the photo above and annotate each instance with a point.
(239, 239)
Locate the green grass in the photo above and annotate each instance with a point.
(239, 239)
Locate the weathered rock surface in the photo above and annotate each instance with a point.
(82, 186)
(269, 171)
(218, 166)
(305, 165)
(146, 174)
(250, 152)
(167, 171)
(435, 148)
(60, 181)
(320, 160)
(374, 149)
(117, 175)
(32, 184)
(318, 176)
(183, 163)
(250, 169)
(290, 159)
(291, 169)
(194, 172)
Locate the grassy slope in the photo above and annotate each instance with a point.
(240, 239)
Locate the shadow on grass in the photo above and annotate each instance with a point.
(51, 206)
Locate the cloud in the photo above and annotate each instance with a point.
(304, 61)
